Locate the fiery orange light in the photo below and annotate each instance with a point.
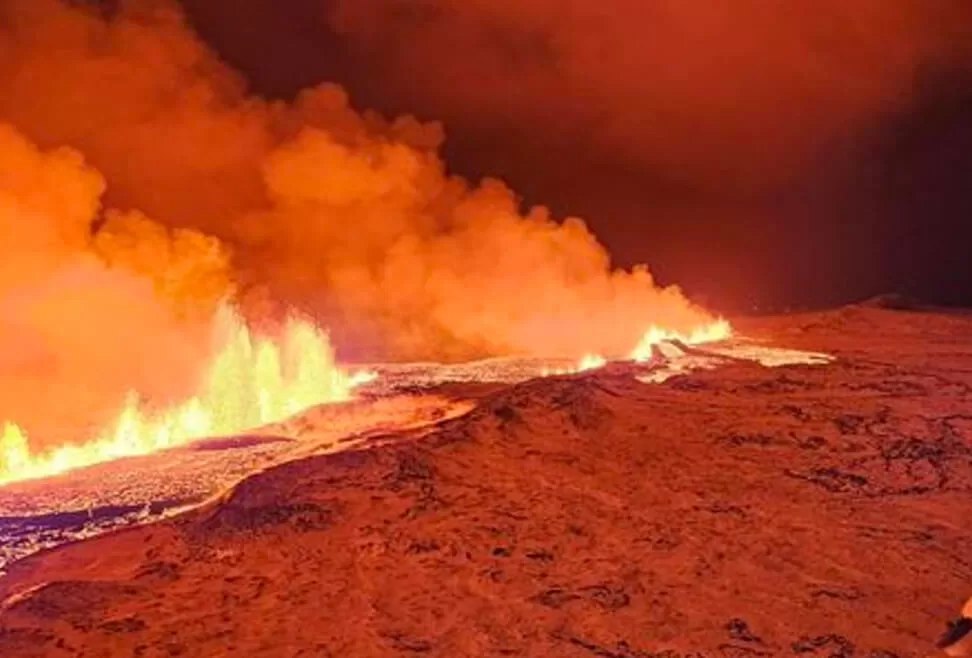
(587, 362)
(250, 383)
(709, 333)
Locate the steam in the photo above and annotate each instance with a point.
(347, 216)
(729, 98)
(78, 333)
(139, 185)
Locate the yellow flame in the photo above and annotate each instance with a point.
(250, 383)
(587, 362)
(710, 333)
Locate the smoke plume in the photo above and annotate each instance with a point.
(727, 99)
(141, 183)
(342, 214)
(78, 332)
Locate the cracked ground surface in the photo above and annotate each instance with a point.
(743, 511)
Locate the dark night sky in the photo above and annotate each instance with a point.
(868, 206)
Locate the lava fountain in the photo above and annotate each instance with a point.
(251, 382)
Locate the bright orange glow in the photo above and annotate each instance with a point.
(250, 383)
(587, 362)
(710, 333)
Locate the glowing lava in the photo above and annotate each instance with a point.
(251, 382)
(710, 333)
(587, 362)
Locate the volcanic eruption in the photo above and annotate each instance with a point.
(337, 400)
(134, 217)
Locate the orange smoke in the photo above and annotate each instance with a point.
(140, 186)
(727, 98)
(77, 331)
(347, 216)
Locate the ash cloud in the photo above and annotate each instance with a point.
(339, 213)
(730, 100)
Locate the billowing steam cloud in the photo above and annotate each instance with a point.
(345, 215)
(725, 98)
(78, 333)
(139, 185)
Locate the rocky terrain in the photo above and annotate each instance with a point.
(40, 514)
(739, 510)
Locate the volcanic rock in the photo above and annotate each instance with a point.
(893, 302)
(815, 510)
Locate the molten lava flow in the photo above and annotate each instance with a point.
(587, 362)
(250, 383)
(710, 333)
